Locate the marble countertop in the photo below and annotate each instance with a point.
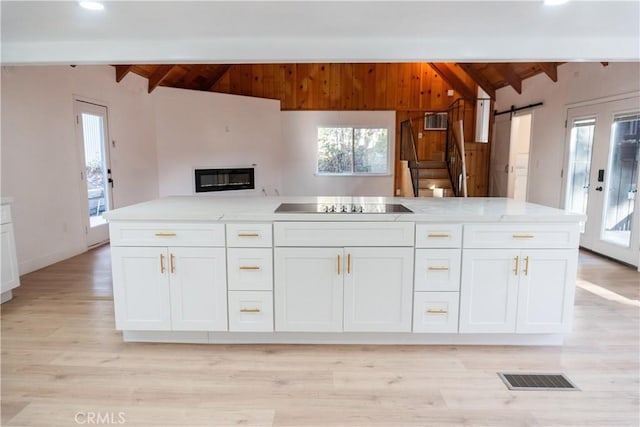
(258, 208)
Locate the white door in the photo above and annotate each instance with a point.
(546, 289)
(519, 156)
(198, 288)
(603, 146)
(489, 290)
(378, 289)
(308, 289)
(141, 288)
(93, 145)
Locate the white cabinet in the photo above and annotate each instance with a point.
(437, 270)
(343, 289)
(378, 289)
(308, 289)
(523, 291)
(435, 312)
(174, 288)
(250, 277)
(10, 276)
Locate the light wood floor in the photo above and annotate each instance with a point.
(62, 359)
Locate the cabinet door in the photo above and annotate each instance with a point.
(546, 291)
(141, 288)
(198, 289)
(308, 289)
(489, 290)
(378, 289)
(10, 277)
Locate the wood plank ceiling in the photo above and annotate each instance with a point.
(243, 78)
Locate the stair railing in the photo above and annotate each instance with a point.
(454, 152)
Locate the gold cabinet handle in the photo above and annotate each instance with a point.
(249, 310)
(348, 263)
(338, 265)
(172, 261)
(523, 236)
(249, 267)
(162, 264)
(526, 266)
(438, 268)
(437, 235)
(248, 235)
(515, 269)
(165, 234)
(437, 311)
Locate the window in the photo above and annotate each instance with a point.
(350, 150)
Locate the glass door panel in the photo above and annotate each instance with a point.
(622, 178)
(580, 151)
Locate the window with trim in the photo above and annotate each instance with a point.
(353, 151)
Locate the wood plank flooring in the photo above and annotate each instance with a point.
(63, 363)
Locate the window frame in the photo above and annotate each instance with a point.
(353, 173)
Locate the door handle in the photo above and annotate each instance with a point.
(599, 188)
(172, 260)
(162, 263)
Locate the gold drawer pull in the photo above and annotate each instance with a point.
(515, 269)
(165, 234)
(438, 311)
(249, 310)
(523, 236)
(162, 263)
(172, 263)
(526, 266)
(437, 235)
(439, 268)
(249, 267)
(248, 235)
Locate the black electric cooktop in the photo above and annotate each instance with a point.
(342, 208)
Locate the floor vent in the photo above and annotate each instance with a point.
(518, 381)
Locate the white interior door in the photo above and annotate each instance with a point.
(518, 167)
(95, 174)
(603, 146)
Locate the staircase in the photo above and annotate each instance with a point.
(433, 179)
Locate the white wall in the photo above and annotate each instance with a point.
(577, 82)
(300, 140)
(211, 130)
(40, 166)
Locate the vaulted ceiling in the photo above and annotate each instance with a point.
(208, 77)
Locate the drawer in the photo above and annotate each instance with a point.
(5, 214)
(249, 235)
(523, 236)
(436, 312)
(250, 269)
(437, 270)
(343, 233)
(250, 311)
(438, 235)
(165, 234)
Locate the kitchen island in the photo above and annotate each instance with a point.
(355, 270)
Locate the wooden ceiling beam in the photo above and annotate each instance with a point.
(550, 69)
(514, 80)
(479, 78)
(192, 74)
(215, 76)
(121, 71)
(450, 76)
(160, 73)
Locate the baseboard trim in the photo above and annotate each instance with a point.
(35, 264)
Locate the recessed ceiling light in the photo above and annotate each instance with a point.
(91, 5)
(554, 2)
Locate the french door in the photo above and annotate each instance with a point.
(95, 169)
(602, 179)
